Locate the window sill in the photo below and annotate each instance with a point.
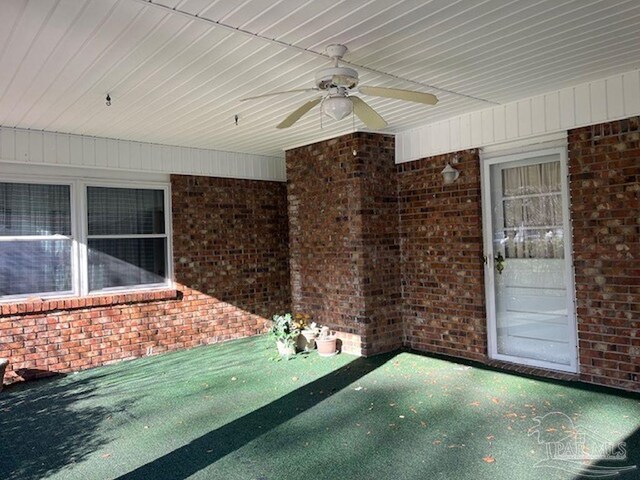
(36, 305)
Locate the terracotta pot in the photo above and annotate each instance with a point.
(327, 345)
(286, 349)
(3, 367)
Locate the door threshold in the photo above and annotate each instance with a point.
(536, 371)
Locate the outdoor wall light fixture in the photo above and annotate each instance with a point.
(449, 174)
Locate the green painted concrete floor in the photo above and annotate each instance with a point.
(229, 412)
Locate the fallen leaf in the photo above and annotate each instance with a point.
(490, 437)
(436, 442)
(105, 455)
(495, 400)
(475, 404)
(489, 459)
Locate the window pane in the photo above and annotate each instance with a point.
(533, 211)
(127, 261)
(534, 243)
(30, 209)
(531, 179)
(35, 267)
(124, 211)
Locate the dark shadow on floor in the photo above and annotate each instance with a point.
(209, 448)
(46, 426)
(29, 374)
(607, 468)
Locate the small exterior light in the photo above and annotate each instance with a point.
(449, 174)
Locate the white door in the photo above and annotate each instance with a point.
(528, 270)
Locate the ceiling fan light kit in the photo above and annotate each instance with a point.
(340, 84)
(337, 107)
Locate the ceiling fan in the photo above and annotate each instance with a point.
(339, 84)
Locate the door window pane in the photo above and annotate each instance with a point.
(126, 262)
(35, 267)
(531, 217)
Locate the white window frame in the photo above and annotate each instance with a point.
(79, 229)
(26, 238)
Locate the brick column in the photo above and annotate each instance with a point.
(344, 239)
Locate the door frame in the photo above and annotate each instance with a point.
(489, 271)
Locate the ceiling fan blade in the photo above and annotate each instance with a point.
(280, 93)
(298, 113)
(367, 114)
(408, 95)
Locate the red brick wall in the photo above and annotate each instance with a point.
(381, 242)
(230, 244)
(442, 268)
(344, 238)
(231, 241)
(604, 167)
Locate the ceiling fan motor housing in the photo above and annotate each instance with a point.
(336, 77)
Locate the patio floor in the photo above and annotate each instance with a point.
(229, 411)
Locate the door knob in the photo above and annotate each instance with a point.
(499, 262)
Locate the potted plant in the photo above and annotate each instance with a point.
(326, 343)
(284, 330)
(308, 334)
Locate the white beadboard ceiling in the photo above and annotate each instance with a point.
(176, 69)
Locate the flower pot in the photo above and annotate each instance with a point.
(307, 340)
(286, 348)
(327, 345)
(3, 367)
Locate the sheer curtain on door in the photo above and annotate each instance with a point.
(532, 210)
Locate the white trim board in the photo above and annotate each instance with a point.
(598, 101)
(38, 147)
